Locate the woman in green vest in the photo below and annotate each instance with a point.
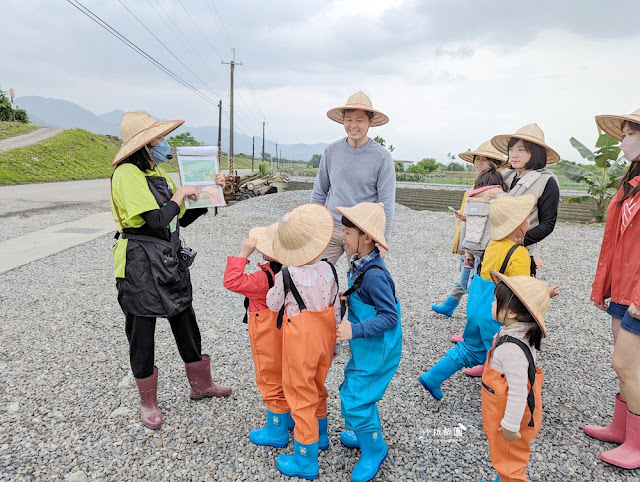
(151, 268)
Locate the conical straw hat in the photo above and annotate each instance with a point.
(507, 213)
(531, 133)
(612, 124)
(265, 236)
(359, 100)
(138, 129)
(486, 149)
(370, 218)
(303, 234)
(533, 293)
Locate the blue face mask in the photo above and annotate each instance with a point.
(160, 152)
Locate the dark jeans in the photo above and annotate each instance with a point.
(140, 333)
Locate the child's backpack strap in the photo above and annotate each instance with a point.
(531, 401)
(355, 288)
(289, 286)
(246, 299)
(505, 263)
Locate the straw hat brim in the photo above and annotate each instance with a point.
(265, 236)
(535, 312)
(501, 143)
(612, 124)
(321, 222)
(336, 114)
(519, 210)
(348, 213)
(468, 156)
(144, 137)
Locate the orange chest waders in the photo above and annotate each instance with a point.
(510, 459)
(308, 343)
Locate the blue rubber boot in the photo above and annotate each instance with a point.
(373, 451)
(447, 308)
(275, 434)
(303, 463)
(349, 439)
(440, 372)
(497, 479)
(323, 441)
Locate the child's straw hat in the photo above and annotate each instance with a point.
(531, 133)
(370, 218)
(138, 129)
(265, 236)
(357, 101)
(507, 213)
(302, 234)
(533, 293)
(486, 149)
(612, 124)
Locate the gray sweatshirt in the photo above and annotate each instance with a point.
(350, 175)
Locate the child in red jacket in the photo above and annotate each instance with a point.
(266, 339)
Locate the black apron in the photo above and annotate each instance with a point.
(154, 284)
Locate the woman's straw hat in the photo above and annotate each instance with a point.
(265, 236)
(138, 129)
(612, 124)
(507, 213)
(533, 293)
(302, 234)
(370, 218)
(359, 100)
(486, 149)
(531, 133)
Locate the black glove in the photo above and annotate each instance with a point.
(191, 215)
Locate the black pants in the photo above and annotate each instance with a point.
(140, 333)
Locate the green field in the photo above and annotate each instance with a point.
(12, 129)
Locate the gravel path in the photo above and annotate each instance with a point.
(68, 404)
(28, 139)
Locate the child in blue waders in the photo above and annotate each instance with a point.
(374, 334)
(509, 221)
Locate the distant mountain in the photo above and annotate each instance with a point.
(67, 115)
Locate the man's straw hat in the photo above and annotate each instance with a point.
(138, 129)
(486, 149)
(533, 293)
(303, 234)
(612, 124)
(265, 236)
(531, 133)
(370, 218)
(359, 100)
(507, 213)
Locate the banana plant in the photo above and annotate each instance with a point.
(602, 183)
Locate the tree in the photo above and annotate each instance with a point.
(263, 168)
(602, 185)
(315, 160)
(455, 166)
(6, 113)
(425, 166)
(184, 139)
(380, 140)
(399, 166)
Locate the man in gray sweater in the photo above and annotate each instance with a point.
(355, 169)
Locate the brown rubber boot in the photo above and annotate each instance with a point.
(149, 412)
(199, 376)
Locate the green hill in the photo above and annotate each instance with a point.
(12, 129)
(71, 155)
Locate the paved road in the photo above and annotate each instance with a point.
(28, 139)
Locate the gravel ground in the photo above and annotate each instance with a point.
(68, 403)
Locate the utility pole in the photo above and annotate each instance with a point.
(263, 123)
(233, 66)
(253, 151)
(219, 133)
(277, 156)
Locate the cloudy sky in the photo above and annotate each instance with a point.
(450, 75)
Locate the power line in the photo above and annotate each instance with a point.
(221, 23)
(203, 35)
(168, 49)
(251, 90)
(80, 7)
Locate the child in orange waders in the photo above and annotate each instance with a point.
(511, 382)
(305, 295)
(374, 333)
(509, 222)
(266, 339)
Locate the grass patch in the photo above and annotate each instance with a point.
(71, 155)
(12, 129)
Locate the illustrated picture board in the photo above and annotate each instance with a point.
(198, 166)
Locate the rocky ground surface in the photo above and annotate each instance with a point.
(69, 405)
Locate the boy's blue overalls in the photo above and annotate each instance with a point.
(367, 375)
